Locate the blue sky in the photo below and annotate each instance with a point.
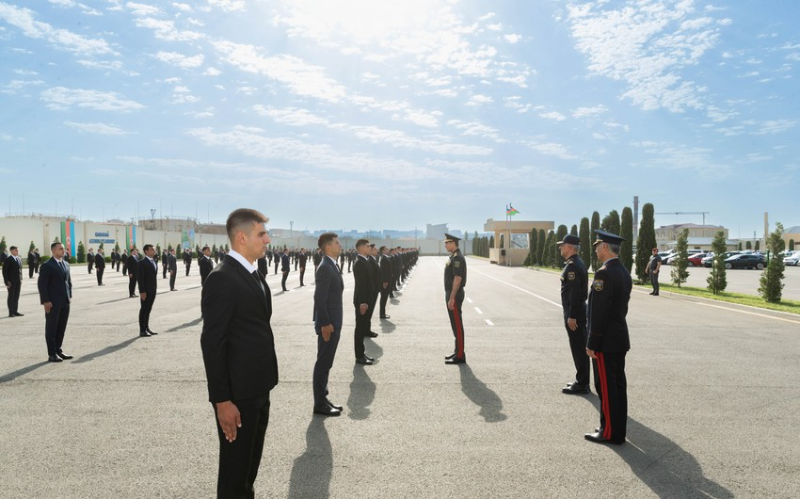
(371, 114)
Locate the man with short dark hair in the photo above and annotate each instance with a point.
(99, 266)
(132, 266)
(205, 264)
(285, 267)
(173, 269)
(653, 268)
(239, 353)
(31, 263)
(164, 263)
(55, 294)
(302, 259)
(90, 259)
(12, 276)
(362, 297)
(574, 290)
(386, 279)
(147, 278)
(328, 318)
(609, 341)
(455, 280)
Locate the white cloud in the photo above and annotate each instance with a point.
(183, 7)
(115, 65)
(227, 5)
(62, 99)
(422, 118)
(180, 60)
(96, 128)
(166, 30)
(141, 9)
(212, 72)
(23, 19)
(552, 149)
(515, 102)
(512, 38)
(553, 115)
(477, 129)
(396, 138)
(589, 112)
(72, 4)
(479, 100)
(291, 116)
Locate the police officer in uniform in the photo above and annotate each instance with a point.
(455, 280)
(609, 341)
(574, 289)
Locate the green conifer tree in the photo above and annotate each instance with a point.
(626, 232)
(646, 241)
(594, 226)
(541, 240)
(611, 223)
(549, 250)
(771, 288)
(717, 278)
(574, 230)
(81, 254)
(586, 241)
(791, 244)
(560, 234)
(679, 272)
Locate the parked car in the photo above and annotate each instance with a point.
(708, 260)
(665, 256)
(792, 259)
(696, 260)
(751, 261)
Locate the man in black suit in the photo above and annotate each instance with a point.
(386, 278)
(285, 267)
(328, 316)
(302, 258)
(99, 266)
(362, 297)
(147, 278)
(132, 264)
(164, 263)
(173, 269)
(375, 273)
(55, 294)
(609, 342)
(12, 276)
(31, 263)
(38, 260)
(90, 259)
(187, 259)
(239, 353)
(277, 258)
(205, 264)
(124, 262)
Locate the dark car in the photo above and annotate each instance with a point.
(747, 261)
(709, 259)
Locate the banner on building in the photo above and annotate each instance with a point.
(68, 237)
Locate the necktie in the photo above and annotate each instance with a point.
(63, 268)
(257, 277)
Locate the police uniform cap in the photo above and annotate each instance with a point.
(450, 237)
(570, 239)
(607, 237)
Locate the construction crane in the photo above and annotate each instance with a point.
(704, 213)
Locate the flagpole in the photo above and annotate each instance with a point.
(508, 235)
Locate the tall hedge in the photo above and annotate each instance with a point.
(626, 232)
(594, 226)
(771, 287)
(646, 241)
(586, 241)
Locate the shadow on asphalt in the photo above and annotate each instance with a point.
(115, 301)
(21, 372)
(481, 395)
(362, 393)
(375, 351)
(185, 325)
(387, 327)
(312, 471)
(663, 465)
(107, 350)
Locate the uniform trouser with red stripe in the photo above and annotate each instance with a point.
(456, 322)
(612, 388)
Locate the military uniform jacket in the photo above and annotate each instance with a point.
(456, 266)
(608, 307)
(574, 289)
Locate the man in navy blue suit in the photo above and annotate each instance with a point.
(55, 293)
(285, 267)
(328, 316)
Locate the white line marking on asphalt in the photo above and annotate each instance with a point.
(489, 322)
(521, 289)
(478, 310)
(470, 300)
(746, 312)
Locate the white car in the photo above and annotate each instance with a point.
(792, 259)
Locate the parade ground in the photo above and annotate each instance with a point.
(714, 403)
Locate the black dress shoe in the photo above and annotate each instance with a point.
(151, 333)
(63, 355)
(53, 358)
(132, 296)
(371, 334)
(333, 406)
(386, 317)
(371, 359)
(598, 438)
(450, 356)
(364, 361)
(17, 314)
(327, 411)
(144, 334)
(575, 389)
(456, 360)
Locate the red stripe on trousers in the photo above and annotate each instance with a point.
(601, 364)
(459, 334)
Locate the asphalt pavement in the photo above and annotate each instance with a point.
(714, 403)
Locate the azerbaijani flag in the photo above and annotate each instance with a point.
(510, 210)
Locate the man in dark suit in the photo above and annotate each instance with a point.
(386, 279)
(375, 273)
(90, 259)
(239, 353)
(12, 276)
(172, 261)
(574, 290)
(277, 258)
(164, 263)
(285, 267)
(609, 342)
(328, 316)
(124, 262)
(31, 263)
(187, 259)
(38, 260)
(362, 297)
(205, 264)
(147, 278)
(302, 258)
(55, 294)
(99, 266)
(132, 264)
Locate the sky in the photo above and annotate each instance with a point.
(373, 114)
